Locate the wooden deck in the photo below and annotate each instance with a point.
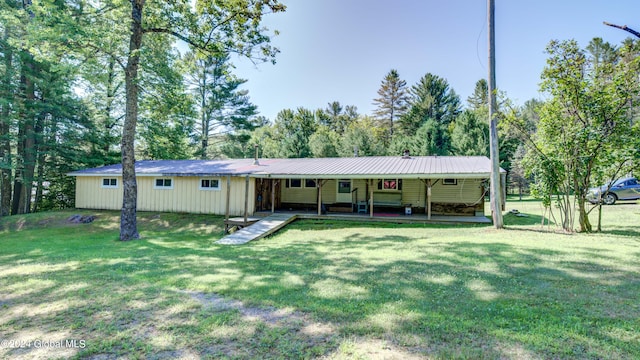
(239, 222)
(260, 229)
(401, 219)
(397, 218)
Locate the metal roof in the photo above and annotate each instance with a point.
(321, 168)
(173, 168)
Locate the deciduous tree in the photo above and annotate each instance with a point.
(212, 27)
(294, 130)
(337, 117)
(587, 113)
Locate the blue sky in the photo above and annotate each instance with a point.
(339, 50)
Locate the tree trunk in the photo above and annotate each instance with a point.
(581, 195)
(30, 146)
(39, 183)
(26, 152)
(17, 179)
(520, 191)
(128, 221)
(585, 224)
(5, 135)
(40, 149)
(111, 94)
(204, 116)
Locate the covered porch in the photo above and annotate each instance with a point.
(393, 198)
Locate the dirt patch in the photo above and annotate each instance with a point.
(290, 325)
(314, 332)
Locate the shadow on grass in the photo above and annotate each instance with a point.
(124, 299)
(627, 231)
(458, 295)
(524, 219)
(429, 295)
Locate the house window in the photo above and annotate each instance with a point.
(344, 186)
(390, 184)
(449, 181)
(209, 184)
(163, 183)
(110, 183)
(294, 183)
(310, 183)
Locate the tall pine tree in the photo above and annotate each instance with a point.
(223, 106)
(434, 106)
(479, 101)
(431, 98)
(393, 101)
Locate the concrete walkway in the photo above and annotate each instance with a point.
(262, 228)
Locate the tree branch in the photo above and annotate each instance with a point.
(179, 36)
(623, 27)
(99, 49)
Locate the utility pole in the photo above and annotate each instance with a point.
(495, 191)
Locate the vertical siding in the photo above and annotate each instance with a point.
(91, 195)
(309, 195)
(329, 191)
(361, 185)
(467, 191)
(187, 197)
(413, 192)
(184, 197)
(300, 195)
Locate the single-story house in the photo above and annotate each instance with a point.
(441, 185)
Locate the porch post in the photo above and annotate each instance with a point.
(371, 198)
(428, 199)
(319, 185)
(226, 213)
(246, 198)
(273, 196)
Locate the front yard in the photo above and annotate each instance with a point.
(326, 289)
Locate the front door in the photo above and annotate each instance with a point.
(344, 191)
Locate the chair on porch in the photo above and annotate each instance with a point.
(362, 207)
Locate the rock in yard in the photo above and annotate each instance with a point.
(81, 219)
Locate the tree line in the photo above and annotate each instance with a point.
(426, 119)
(80, 87)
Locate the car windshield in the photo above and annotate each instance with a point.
(618, 182)
(626, 181)
(614, 183)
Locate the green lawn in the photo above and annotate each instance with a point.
(320, 289)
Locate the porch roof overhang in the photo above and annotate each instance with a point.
(373, 176)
